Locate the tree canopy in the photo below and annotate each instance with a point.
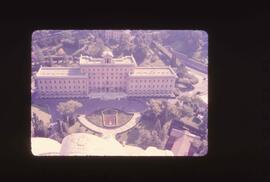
(68, 107)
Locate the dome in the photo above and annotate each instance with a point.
(44, 146)
(107, 53)
(87, 144)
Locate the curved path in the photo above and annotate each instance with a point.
(110, 132)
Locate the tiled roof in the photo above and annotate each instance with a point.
(60, 72)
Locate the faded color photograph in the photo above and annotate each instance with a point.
(119, 93)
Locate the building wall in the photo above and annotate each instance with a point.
(150, 86)
(62, 87)
(107, 78)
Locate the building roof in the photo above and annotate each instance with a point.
(60, 72)
(153, 71)
(181, 146)
(126, 60)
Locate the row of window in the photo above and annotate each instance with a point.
(103, 74)
(105, 83)
(149, 81)
(61, 81)
(63, 92)
(105, 69)
(108, 77)
(59, 87)
(149, 92)
(103, 88)
(149, 86)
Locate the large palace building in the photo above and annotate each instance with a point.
(106, 75)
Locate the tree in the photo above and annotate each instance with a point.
(133, 135)
(140, 51)
(67, 109)
(157, 126)
(165, 131)
(155, 107)
(145, 138)
(39, 129)
(187, 111)
(155, 140)
(181, 70)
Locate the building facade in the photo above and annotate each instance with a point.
(105, 75)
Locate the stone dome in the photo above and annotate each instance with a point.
(87, 144)
(107, 53)
(44, 146)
